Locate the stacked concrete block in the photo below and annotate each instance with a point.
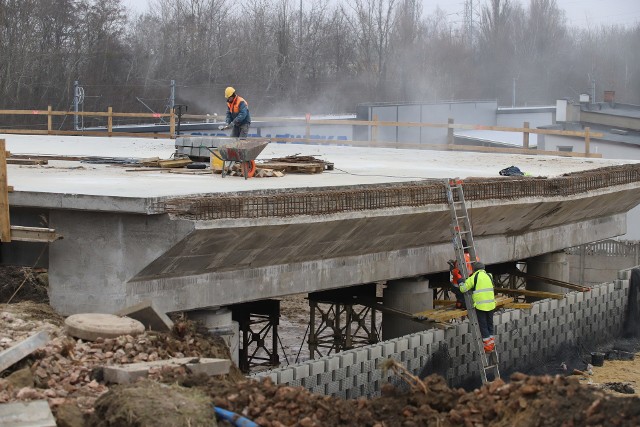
(523, 337)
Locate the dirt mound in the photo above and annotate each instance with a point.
(33, 311)
(23, 284)
(151, 404)
(525, 401)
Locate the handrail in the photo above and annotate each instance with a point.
(374, 124)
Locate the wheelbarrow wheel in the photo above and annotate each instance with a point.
(249, 169)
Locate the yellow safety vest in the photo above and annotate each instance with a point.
(483, 297)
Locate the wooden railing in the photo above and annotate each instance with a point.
(109, 114)
(10, 232)
(373, 124)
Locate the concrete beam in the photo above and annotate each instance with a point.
(230, 287)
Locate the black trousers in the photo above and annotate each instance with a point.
(485, 321)
(458, 294)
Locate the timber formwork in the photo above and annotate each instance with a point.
(290, 202)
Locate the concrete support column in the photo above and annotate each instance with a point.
(554, 265)
(219, 322)
(408, 295)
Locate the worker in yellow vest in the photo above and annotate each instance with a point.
(484, 301)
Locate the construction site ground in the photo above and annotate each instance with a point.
(66, 373)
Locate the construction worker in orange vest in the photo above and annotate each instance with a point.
(238, 117)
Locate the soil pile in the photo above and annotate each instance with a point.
(23, 284)
(151, 404)
(525, 401)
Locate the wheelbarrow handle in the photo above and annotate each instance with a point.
(212, 152)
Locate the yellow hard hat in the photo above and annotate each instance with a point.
(229, 91)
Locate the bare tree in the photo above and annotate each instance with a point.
(372, 23)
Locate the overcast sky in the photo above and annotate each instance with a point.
(581, 13)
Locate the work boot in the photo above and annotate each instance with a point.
(490, 347)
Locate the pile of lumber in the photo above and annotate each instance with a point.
(297, 164)
(446, 312)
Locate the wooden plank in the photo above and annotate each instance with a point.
(27, 162)
(436, 147)
(450, 314)
(82, 113)
(147, 169)
(33, 234)
(519, 305)
(294, 167)
(175, 163)
(86, 133)
(48, 157)
(554, 282)
(5, 224)
(440, 303)
(526, 293)
(14, 354)
(435, 125)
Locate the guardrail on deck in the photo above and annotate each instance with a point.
(308, 122)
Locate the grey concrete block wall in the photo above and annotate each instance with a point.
(524, 338)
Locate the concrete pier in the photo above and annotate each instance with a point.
(553, 265)
(410, 296)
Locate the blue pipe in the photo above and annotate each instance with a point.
(235, 419)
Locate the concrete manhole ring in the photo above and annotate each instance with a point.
(90, 326)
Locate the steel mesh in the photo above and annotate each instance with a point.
(332, 201)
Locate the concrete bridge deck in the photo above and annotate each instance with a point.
(132, 236)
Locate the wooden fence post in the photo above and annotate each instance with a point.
(110, 121)
(374, 129)
(587, 140)
(172, 124)
(450, 139)
(525, 136)
(5, 225)
(49, 121)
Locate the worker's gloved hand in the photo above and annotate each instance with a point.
(452, 264)
(460, 282)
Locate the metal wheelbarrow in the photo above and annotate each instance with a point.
(241, 151)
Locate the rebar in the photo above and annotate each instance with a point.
(385, 196)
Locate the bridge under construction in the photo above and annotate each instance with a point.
(204, 244)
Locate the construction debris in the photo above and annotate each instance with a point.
(297, 164)
(91, 326)
(35, 413)
(125, 374)
(19, 351)
(149, 315)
